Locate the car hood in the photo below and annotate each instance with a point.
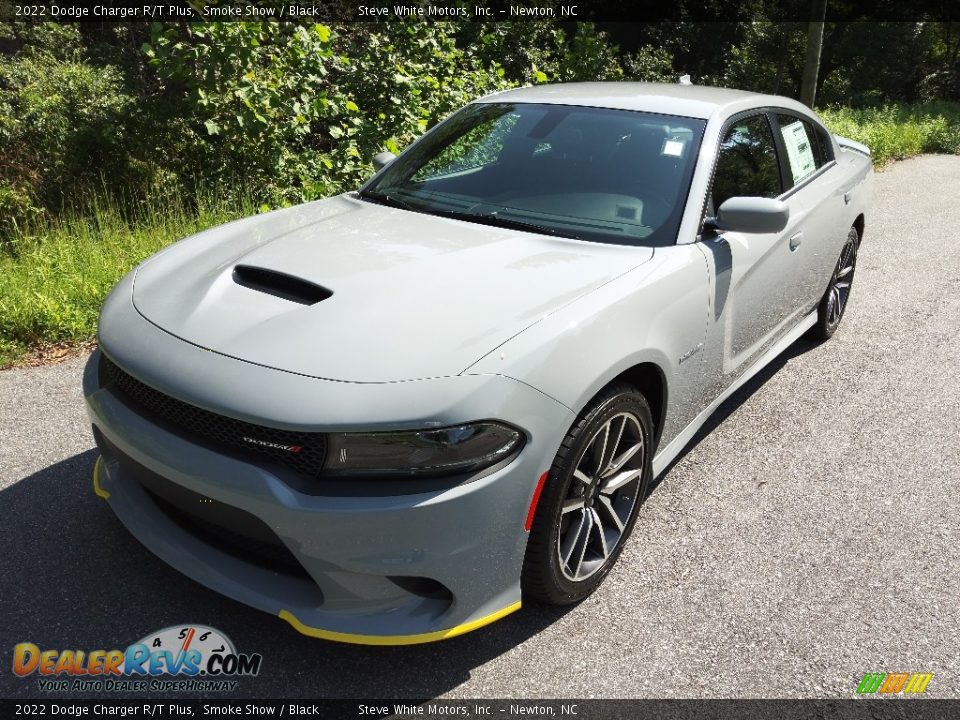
(379, 294)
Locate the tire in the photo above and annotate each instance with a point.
(834, 302)
(568, 553)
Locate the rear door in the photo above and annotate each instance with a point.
(813, 181)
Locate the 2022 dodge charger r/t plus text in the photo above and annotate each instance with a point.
(389, 415)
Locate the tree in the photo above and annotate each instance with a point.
(811, 67)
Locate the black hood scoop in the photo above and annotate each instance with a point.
(280, 285)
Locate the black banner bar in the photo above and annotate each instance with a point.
(472, 10)
(574, 709)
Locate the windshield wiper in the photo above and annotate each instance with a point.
(496, 220)
(482, 218)
(388, 199)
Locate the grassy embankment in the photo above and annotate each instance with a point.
(55, 274)
(896, 132)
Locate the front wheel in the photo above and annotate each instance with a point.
(835, 299)
(590, 502)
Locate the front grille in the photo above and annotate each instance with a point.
(302, 451)
(227, 528)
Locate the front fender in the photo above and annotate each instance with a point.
(655, 314)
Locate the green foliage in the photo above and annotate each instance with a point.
(404, 78)
(257, 95)
(293, 111)
(16, 208)
(894, 132)
(768, 58)
(649, 64)
(528, 52)
(858, 51)
(863, 64)
(57, 113)
(588, 56)
(10, 352)
(538, 52)
(299, 110)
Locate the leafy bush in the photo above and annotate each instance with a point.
(405, 77)
(56, 115)
(649, 64)
(299, 111)
(588, 56)
(72, 127)
(894, 132)
(16, 209)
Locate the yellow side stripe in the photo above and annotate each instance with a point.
(395, 639)
(96, 480)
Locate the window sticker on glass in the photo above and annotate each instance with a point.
(802, 162)
(673, 148)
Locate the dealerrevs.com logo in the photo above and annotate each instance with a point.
(189, 658)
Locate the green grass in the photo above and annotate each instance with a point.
(55, 274)
(895, 132)
(9, 352)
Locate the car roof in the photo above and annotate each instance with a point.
(697, 101)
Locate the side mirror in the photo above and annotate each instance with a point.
(381, 160)
(752, 215)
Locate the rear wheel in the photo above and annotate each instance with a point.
(590, 502)
(835, 299)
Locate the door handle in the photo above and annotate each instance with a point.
(795, 241)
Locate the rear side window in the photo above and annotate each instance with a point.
(805, 150)
(747, 163)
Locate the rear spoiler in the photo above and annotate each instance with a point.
(848, 144)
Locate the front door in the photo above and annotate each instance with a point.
(757, 280)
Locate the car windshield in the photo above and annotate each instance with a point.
(615, 176)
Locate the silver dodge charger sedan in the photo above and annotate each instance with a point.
(389, 417)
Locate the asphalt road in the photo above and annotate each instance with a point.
(809, 535)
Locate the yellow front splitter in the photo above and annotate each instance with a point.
(395, 639)
(96, 479)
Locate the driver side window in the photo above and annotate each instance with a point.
(747, 163)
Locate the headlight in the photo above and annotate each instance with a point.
(452, 450)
